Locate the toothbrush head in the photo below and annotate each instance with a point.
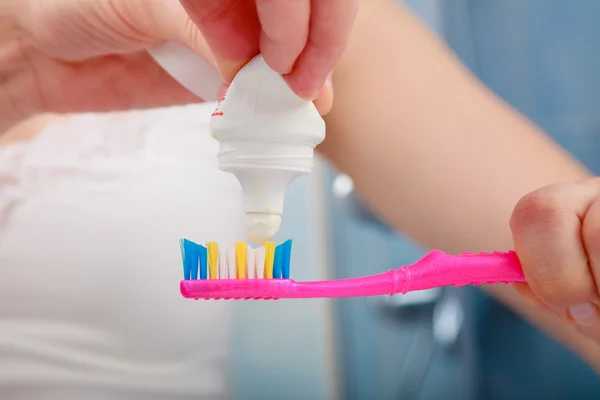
(221, 270)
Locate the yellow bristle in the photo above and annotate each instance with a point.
(269, 259)
(213, 260)
(240, 258)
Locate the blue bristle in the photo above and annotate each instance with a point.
(277, 262)
(190, 259)
(186, 269)
(285, 259)
(203, 261)
(193, 260)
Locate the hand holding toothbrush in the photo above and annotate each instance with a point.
(90, 55)
(556, 232)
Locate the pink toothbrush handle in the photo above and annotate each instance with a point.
(434, 270)
(440, 269)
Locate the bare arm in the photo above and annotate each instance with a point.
(434, 152)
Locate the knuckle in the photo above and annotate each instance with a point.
(328, 43)
(548, 285)
(192, 34)
(202, 11)
(540, 207)
(590, 230)
(554, 288)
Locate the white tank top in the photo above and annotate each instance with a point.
(90, 216)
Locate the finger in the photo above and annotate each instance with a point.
(231, 30)
(89, 34)
(546, 228)
(324, 100)
(525, 291)
(591, 241)
(117, 82)
(591, 331)
(591, 237)
(284, 25)
(76, 30)
(222, 91)
(330, 26)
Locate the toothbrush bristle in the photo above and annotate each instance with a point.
(240, 261)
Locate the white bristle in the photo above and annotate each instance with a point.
(231, 266)
(259, 259)
(251, 270)
(223, 266)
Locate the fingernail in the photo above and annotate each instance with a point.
(313, 95)
(585, 314)
(222, 91)
(310, 96)
(228, 69)
(329, 83)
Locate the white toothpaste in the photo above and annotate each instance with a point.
(251, 263)
(259, 261)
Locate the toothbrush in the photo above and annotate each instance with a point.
(269, 266)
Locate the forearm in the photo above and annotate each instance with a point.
(413, 128)
(432, 151)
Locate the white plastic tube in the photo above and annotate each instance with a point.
(190, 70)
(267, 136)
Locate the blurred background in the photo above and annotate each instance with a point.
(539, 55)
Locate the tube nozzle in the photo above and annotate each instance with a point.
(261, 227)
